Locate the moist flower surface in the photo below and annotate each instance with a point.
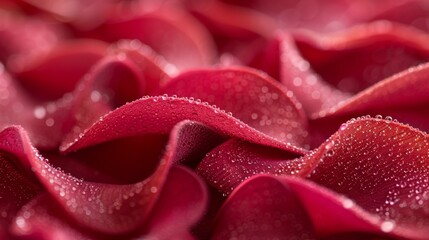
(217, 119)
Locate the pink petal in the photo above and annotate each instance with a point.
(263, 208)
(159, 115)
(327, 16)
(50, 75)
(382, 166)
(46, 122)
(106, 208)
(103, 207)
(41, 218)
(282, 60)
(129, 71)
(17, 185)
(250, 96)
(234, 161)
(236, 30)
(191, 47)
(392, 48)
(402, 96)
(22, 37)
(180, 205)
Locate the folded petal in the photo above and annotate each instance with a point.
(192, 45)
(160, 114)
(46, 122)
(263, 208)
(250, 96)
(181, 204)
(234, 161)
(402, 97)
(48, 76)
(382, 166)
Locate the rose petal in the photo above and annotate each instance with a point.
(236, 30)
(380, 166)
(385, 173)
(229, 164)
(41, 218)
(393, 48)
(191, 47)
(159, 115)
(180, 205)
(402, 96)
(46, 122)
(250, 96)
(22, 37)
(50, 75)
(105, 208)
(327, 16)
(282, 60)
(108, 208)
(129, 71)
(263, 208)
(17, 185)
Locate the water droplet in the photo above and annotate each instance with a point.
(95, 96)
(347, 203)
(387, 226)
(153, 189)
(39, 112)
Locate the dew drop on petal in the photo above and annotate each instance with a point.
(387, 226)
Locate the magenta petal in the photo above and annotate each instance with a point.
(229, 164)
(50, 75)
(21, 38)
(106, 208)
(45, 122)
(382, 166)
(192, 45)
(160, 115)
(250, 96)
(180, 205)
(282, 60)
(17, 185)
(41, 218)
(402, 96)
(263, 208)
(128, 71)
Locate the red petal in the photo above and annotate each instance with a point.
(22, 37)
(129, 71)
(263, 208)
(159, 115)
(50, 75)
(250, 96)
(342, 59)
(326, 16)
(106, 208)
(282, 60)
(42, 219)
(46, 123)
(402, 96)
(16, 184)
(191, 47)
(180, 205)
(382, 167)
(229, 164)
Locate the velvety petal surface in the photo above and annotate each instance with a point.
(248, 95)
(402, 97)
(181, 204)
(380, 167)
(160, 114)
(192, 45)
(50, 75)
(263, 208)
